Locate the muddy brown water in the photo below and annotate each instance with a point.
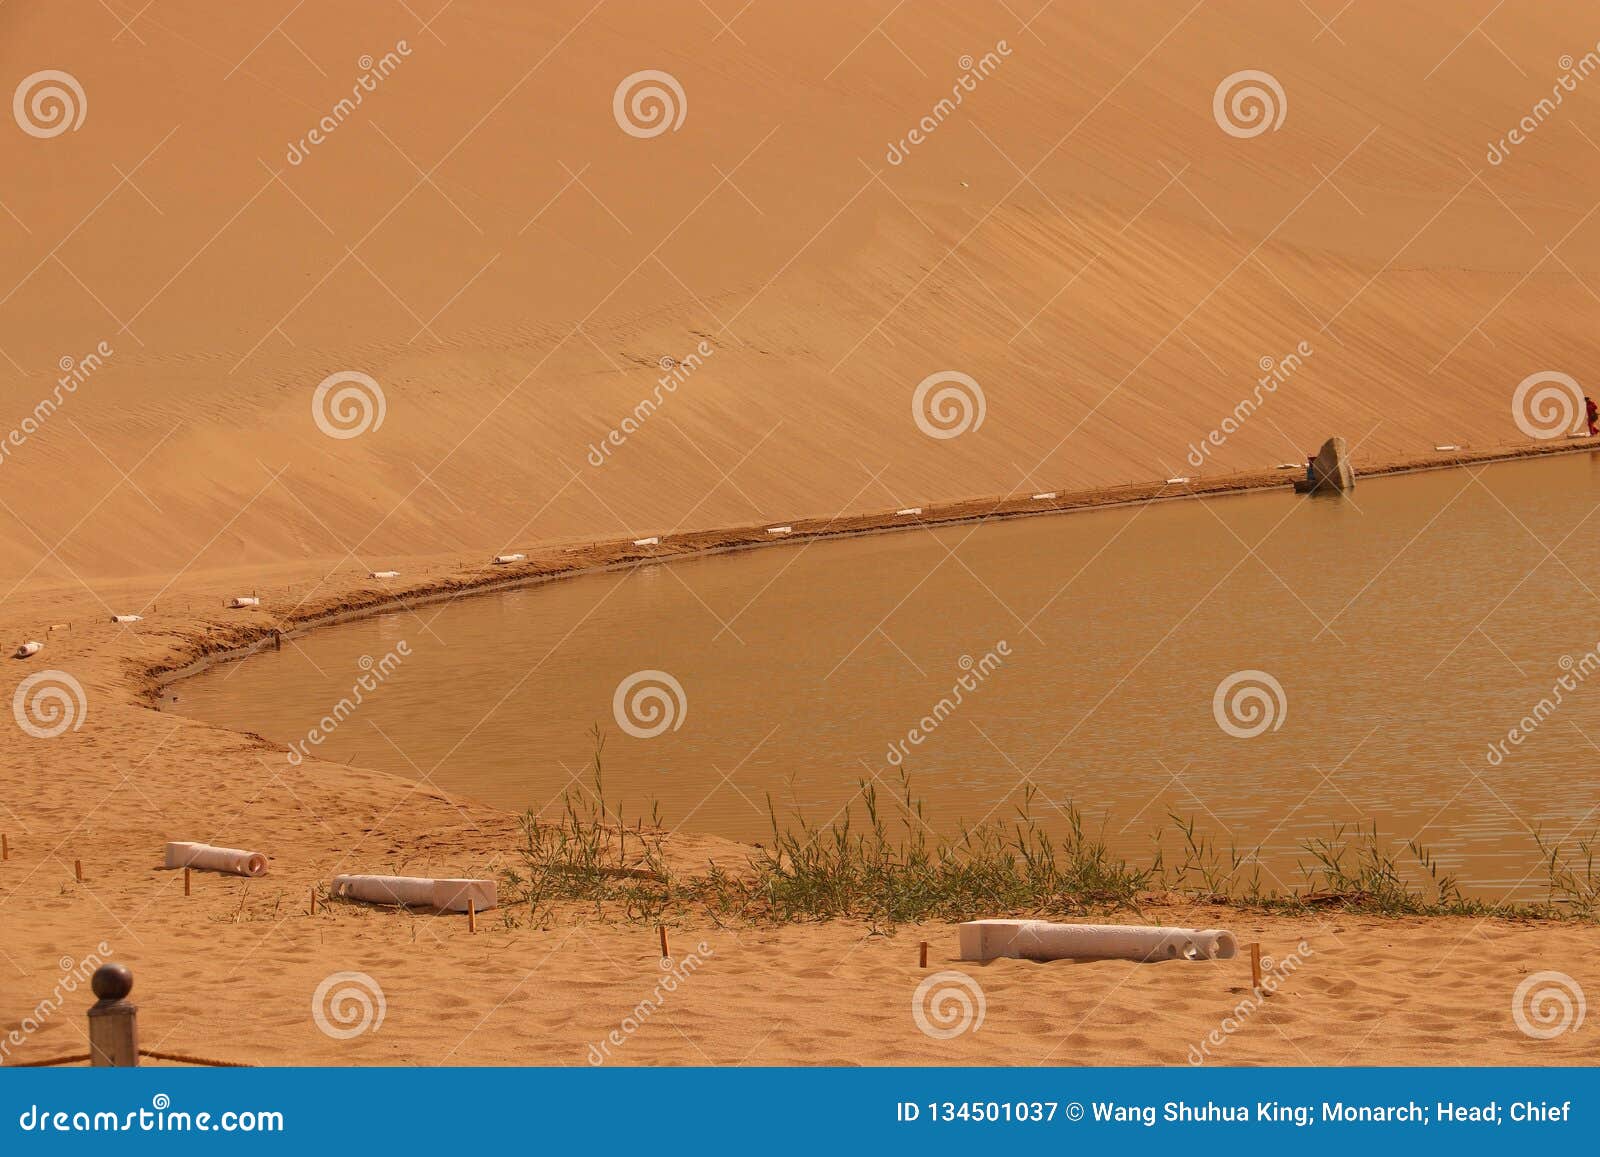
(1410, 630)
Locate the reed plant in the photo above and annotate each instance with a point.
(588, 854)
(880, 861)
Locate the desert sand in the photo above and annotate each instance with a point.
(231, 971)
(483, 240)
(479, 236)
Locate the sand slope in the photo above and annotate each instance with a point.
(480, 236)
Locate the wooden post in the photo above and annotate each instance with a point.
(186, 881)
(77, 870)
(113, 1019)
(313, 899)
(472, 914)
(1255, 966)
(5, 846)
(922, 955)
(665, 955)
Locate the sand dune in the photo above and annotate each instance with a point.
(481, 238)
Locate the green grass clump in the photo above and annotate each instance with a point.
(899, 872)
(1574, 882)
(589, 855)
(883, 863)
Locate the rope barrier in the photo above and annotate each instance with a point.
(72, 1060)
(186, 1059)
(178, 1058)
(113, 1028)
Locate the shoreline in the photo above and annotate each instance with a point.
(551, 564)
(554, 563)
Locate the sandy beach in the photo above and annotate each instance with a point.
(290, 297)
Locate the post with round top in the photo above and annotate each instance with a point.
(113, 1019)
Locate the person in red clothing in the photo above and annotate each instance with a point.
(1592, 413)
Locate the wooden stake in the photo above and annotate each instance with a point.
(77, 870)
(5, 846)
(186, 881)
(313, 899)
(1255, 966)
(662, 928)
(472, 914)
(922, 955)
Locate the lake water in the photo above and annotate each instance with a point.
(1409, 629)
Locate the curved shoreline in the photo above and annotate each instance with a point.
(603, 556)
(134, 777)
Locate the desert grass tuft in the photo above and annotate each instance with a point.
(589, 855)
(880, 861)
(897, 870)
